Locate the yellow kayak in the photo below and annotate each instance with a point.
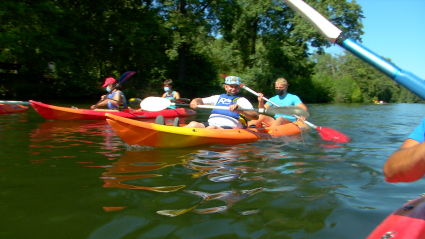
(164, 136)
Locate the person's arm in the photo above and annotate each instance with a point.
(407, 164)
(195, 102)
(102, 103)
(260, 100)
(304, 107)
(244, 104)
(176, 95)
(250, 114)
(163, 95)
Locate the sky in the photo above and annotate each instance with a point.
(394, 29)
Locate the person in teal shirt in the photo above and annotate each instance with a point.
(283, 98)
(169, 93)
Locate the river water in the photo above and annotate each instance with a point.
(77, 179)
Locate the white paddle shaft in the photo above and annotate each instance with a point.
(255, 93)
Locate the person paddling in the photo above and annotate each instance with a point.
(169, 93)
(283, 98)
(223, 119)
(115, 100)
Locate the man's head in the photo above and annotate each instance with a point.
(281, 86)
(232, 85)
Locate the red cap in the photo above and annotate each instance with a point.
(108, 81)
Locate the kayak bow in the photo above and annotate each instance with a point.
(52, 112)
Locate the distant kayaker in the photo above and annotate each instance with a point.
(283, 98)
(169, 93)
(407, 164)
(226, 119)
(115, 100)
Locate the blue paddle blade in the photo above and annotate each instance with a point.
(125, 76)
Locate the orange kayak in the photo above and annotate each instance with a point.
(11, 108)
(163, 136)
(52, 112)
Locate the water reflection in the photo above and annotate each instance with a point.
(131, 169)
(51, 135)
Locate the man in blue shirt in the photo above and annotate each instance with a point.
(407, 164)
(283, 98)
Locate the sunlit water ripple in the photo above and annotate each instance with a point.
(79, 180)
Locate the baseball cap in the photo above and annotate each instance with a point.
(232, 80)
(108, 81)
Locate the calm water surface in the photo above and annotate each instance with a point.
(77, 179)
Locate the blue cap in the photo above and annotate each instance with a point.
(232, 80)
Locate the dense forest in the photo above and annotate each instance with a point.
(64, 49)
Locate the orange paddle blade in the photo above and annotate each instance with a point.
(332, 135)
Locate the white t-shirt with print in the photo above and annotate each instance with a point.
(225, 120)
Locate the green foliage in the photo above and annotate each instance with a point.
(65, 49)
(347, 78)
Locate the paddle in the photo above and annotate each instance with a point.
(158, 103)
(138, 100)
(121, 80)
(182, 100)
(335, 35)
(11, 102)
(326, 133)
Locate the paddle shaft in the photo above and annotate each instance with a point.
(218, 107)
(224, 108)
(334, 35)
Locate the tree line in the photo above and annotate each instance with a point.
(64, 49)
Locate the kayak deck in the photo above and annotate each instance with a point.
(163, 136)
(406, 222)
(12, 108)
(52, 112)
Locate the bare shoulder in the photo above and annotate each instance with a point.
(408, 143)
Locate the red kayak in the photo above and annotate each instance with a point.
(52, 112)
(11, 108)
(405, 222)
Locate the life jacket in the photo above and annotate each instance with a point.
(121, 106)
(226, 100)
(171, 97)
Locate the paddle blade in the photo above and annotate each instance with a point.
(287, 110)
(125, 76)
(154, 104)
(332, 135)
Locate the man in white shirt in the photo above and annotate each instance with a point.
(226, 119)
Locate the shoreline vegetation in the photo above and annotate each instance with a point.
(65, 50)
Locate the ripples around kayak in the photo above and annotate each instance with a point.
(77, 179)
